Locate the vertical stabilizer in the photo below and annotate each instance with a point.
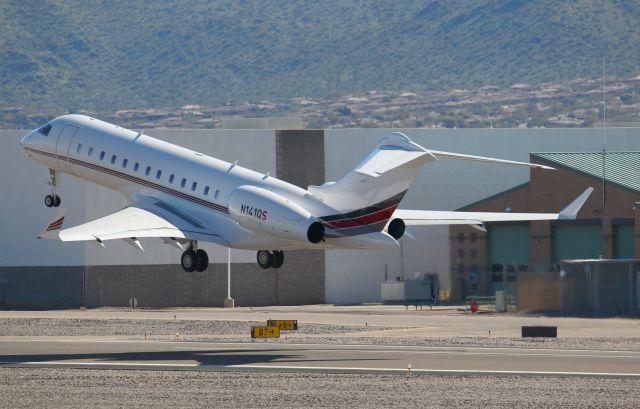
(380, 180)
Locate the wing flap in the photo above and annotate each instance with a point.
(126, 223)
(147, 218)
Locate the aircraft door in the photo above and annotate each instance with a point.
(63, 145)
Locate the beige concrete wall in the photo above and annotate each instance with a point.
(167, 285)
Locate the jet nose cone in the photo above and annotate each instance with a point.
(26, 140)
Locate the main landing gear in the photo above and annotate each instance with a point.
(52, 200)
(267, 259)
(194, 259)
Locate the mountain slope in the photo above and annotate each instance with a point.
(73, 54)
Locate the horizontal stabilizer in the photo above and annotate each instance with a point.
(459, 156)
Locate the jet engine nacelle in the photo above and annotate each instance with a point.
(262, 211)
(396, 228)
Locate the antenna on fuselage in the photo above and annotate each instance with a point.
(233, 165)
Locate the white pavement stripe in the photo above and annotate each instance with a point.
(350, 347)
(141, 365)
(460, 371)
(91, 364)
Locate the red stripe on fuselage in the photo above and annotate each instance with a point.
(372, 218)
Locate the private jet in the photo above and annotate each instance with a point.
(184, 197)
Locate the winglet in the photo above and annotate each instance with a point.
(51, 232)
(571, 211)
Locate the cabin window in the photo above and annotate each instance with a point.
(206, 190)
(183, 183)
(217, 194)
(193, 186)
(171, 179)
(90, 152)
(124, 163)
(147, 171)
(136, 167)
(158, 174)
(79, 148)
(113, 159)
(102, 155)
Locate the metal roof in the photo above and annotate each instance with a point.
(621, 168)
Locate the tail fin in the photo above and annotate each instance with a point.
(380, 180)
(368, 194)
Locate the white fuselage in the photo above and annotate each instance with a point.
(201, 186)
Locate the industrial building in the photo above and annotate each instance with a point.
(43, 274)
(607, 226)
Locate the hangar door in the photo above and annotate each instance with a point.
(624, 242)
(577, 242)
(510, 244)
(509, 252)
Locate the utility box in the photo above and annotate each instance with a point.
(393, 291)
(424, 287)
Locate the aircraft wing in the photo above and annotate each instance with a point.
(434, 217)
(147, 218)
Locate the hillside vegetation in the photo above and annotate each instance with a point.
(97, 55)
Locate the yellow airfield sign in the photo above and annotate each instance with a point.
(284, 325)
(265, 332)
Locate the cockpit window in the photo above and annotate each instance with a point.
(45, 129)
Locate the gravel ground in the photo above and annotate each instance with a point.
(237, 331)
(118, 327)
(73, 388)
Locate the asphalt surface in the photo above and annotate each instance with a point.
(263, 355)
(342, 356)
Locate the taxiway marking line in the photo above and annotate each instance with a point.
(335, 369)
(391, 349)
(459, 371)
(370, 347)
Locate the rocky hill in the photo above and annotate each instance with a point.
(64, 55)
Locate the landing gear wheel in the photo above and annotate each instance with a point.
(264, 259)
(52, 200)
(202, 260)
(189, 261)
(277, 259)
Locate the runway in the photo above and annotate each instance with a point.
(287, 357)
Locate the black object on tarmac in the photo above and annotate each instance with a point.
(539, 331)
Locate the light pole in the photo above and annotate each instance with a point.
(229, 302)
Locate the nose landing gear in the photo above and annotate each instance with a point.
(194, 259)
(52, 200)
